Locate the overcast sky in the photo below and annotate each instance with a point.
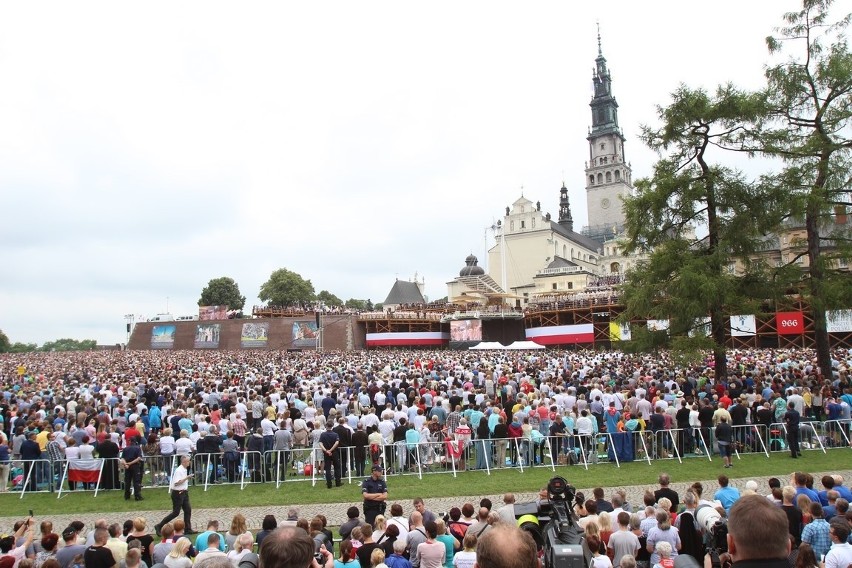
(146, 148)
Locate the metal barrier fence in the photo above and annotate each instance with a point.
(427, 457)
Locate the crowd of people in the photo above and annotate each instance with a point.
(787, 523)
(253, 411)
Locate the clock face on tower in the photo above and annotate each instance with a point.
(604, 203)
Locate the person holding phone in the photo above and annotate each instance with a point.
(7, 544)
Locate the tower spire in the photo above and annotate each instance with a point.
(600, 51)
(565, 217)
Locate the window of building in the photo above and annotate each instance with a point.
(592, 180)
(608, 177)
(614, 268)
(570, 285)
(600, 179)
(603, 146)
(617, 175)
(564, 248)
(523, 224)
(553, 286)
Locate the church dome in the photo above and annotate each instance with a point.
(470, 267)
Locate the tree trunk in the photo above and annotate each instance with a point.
(815, 271)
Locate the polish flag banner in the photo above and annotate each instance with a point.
(562, 334)
(407, 338)
(87, 471)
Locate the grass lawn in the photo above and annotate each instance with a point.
(404, 488)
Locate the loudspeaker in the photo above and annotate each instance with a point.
(318, 318)
(128, 328)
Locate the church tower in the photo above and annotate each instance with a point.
(608, 175)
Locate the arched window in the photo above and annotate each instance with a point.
(600, 179)
(564, 251)
(617, 175)
(608, 177)
(614, 268)
(592, 180)
(572, 254)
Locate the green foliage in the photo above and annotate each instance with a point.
(5, 344)
(688, 276)
(222, 291)
(808, 100)
(285, 288)
(19, 347)
(67, 344)
(355, 304)
(329, 299)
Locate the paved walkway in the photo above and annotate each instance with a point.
(336, 512)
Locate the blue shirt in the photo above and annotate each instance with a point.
(815, 533)
(727, 496)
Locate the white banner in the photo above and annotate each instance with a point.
(700, 327)
(839, 321)
(658, 325)
(743, 326)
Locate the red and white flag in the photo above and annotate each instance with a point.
(87, 471)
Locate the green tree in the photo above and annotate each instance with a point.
(222, 291)
(5, 344)
(329, 299)
(354, 304)
(687, 276)
(285, 288)
(809, 100)
(19, 347)
(67, 344)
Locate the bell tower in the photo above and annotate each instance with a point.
(608, 174)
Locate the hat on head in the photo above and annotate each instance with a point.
(377, 468)
(69, 532)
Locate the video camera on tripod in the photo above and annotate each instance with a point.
(553, 526)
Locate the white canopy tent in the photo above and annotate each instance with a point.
(487, 345)
(525, 345)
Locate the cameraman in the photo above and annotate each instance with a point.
(757, 534)
(292, 547)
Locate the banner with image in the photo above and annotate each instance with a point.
(207, 335)
(206, 313)
(163, 337)
(305, 333)
(658, 325)
(743, 326)
(700, 327)
(838, 321)
(619, 332)
(254, 335)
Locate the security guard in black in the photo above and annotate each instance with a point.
(375, 492)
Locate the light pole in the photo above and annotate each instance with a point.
(129, 319)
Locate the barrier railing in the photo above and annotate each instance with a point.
(158, 470)
(837, 433)
(297, 464)
(810, 437)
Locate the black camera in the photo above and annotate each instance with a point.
(715, 530)
(553, 526)
(320, 558)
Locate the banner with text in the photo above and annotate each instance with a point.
(790, 323)
(838, 321)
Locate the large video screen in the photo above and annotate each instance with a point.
(466, 330)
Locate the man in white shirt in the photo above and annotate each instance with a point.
(840, 553)
(179, 490)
